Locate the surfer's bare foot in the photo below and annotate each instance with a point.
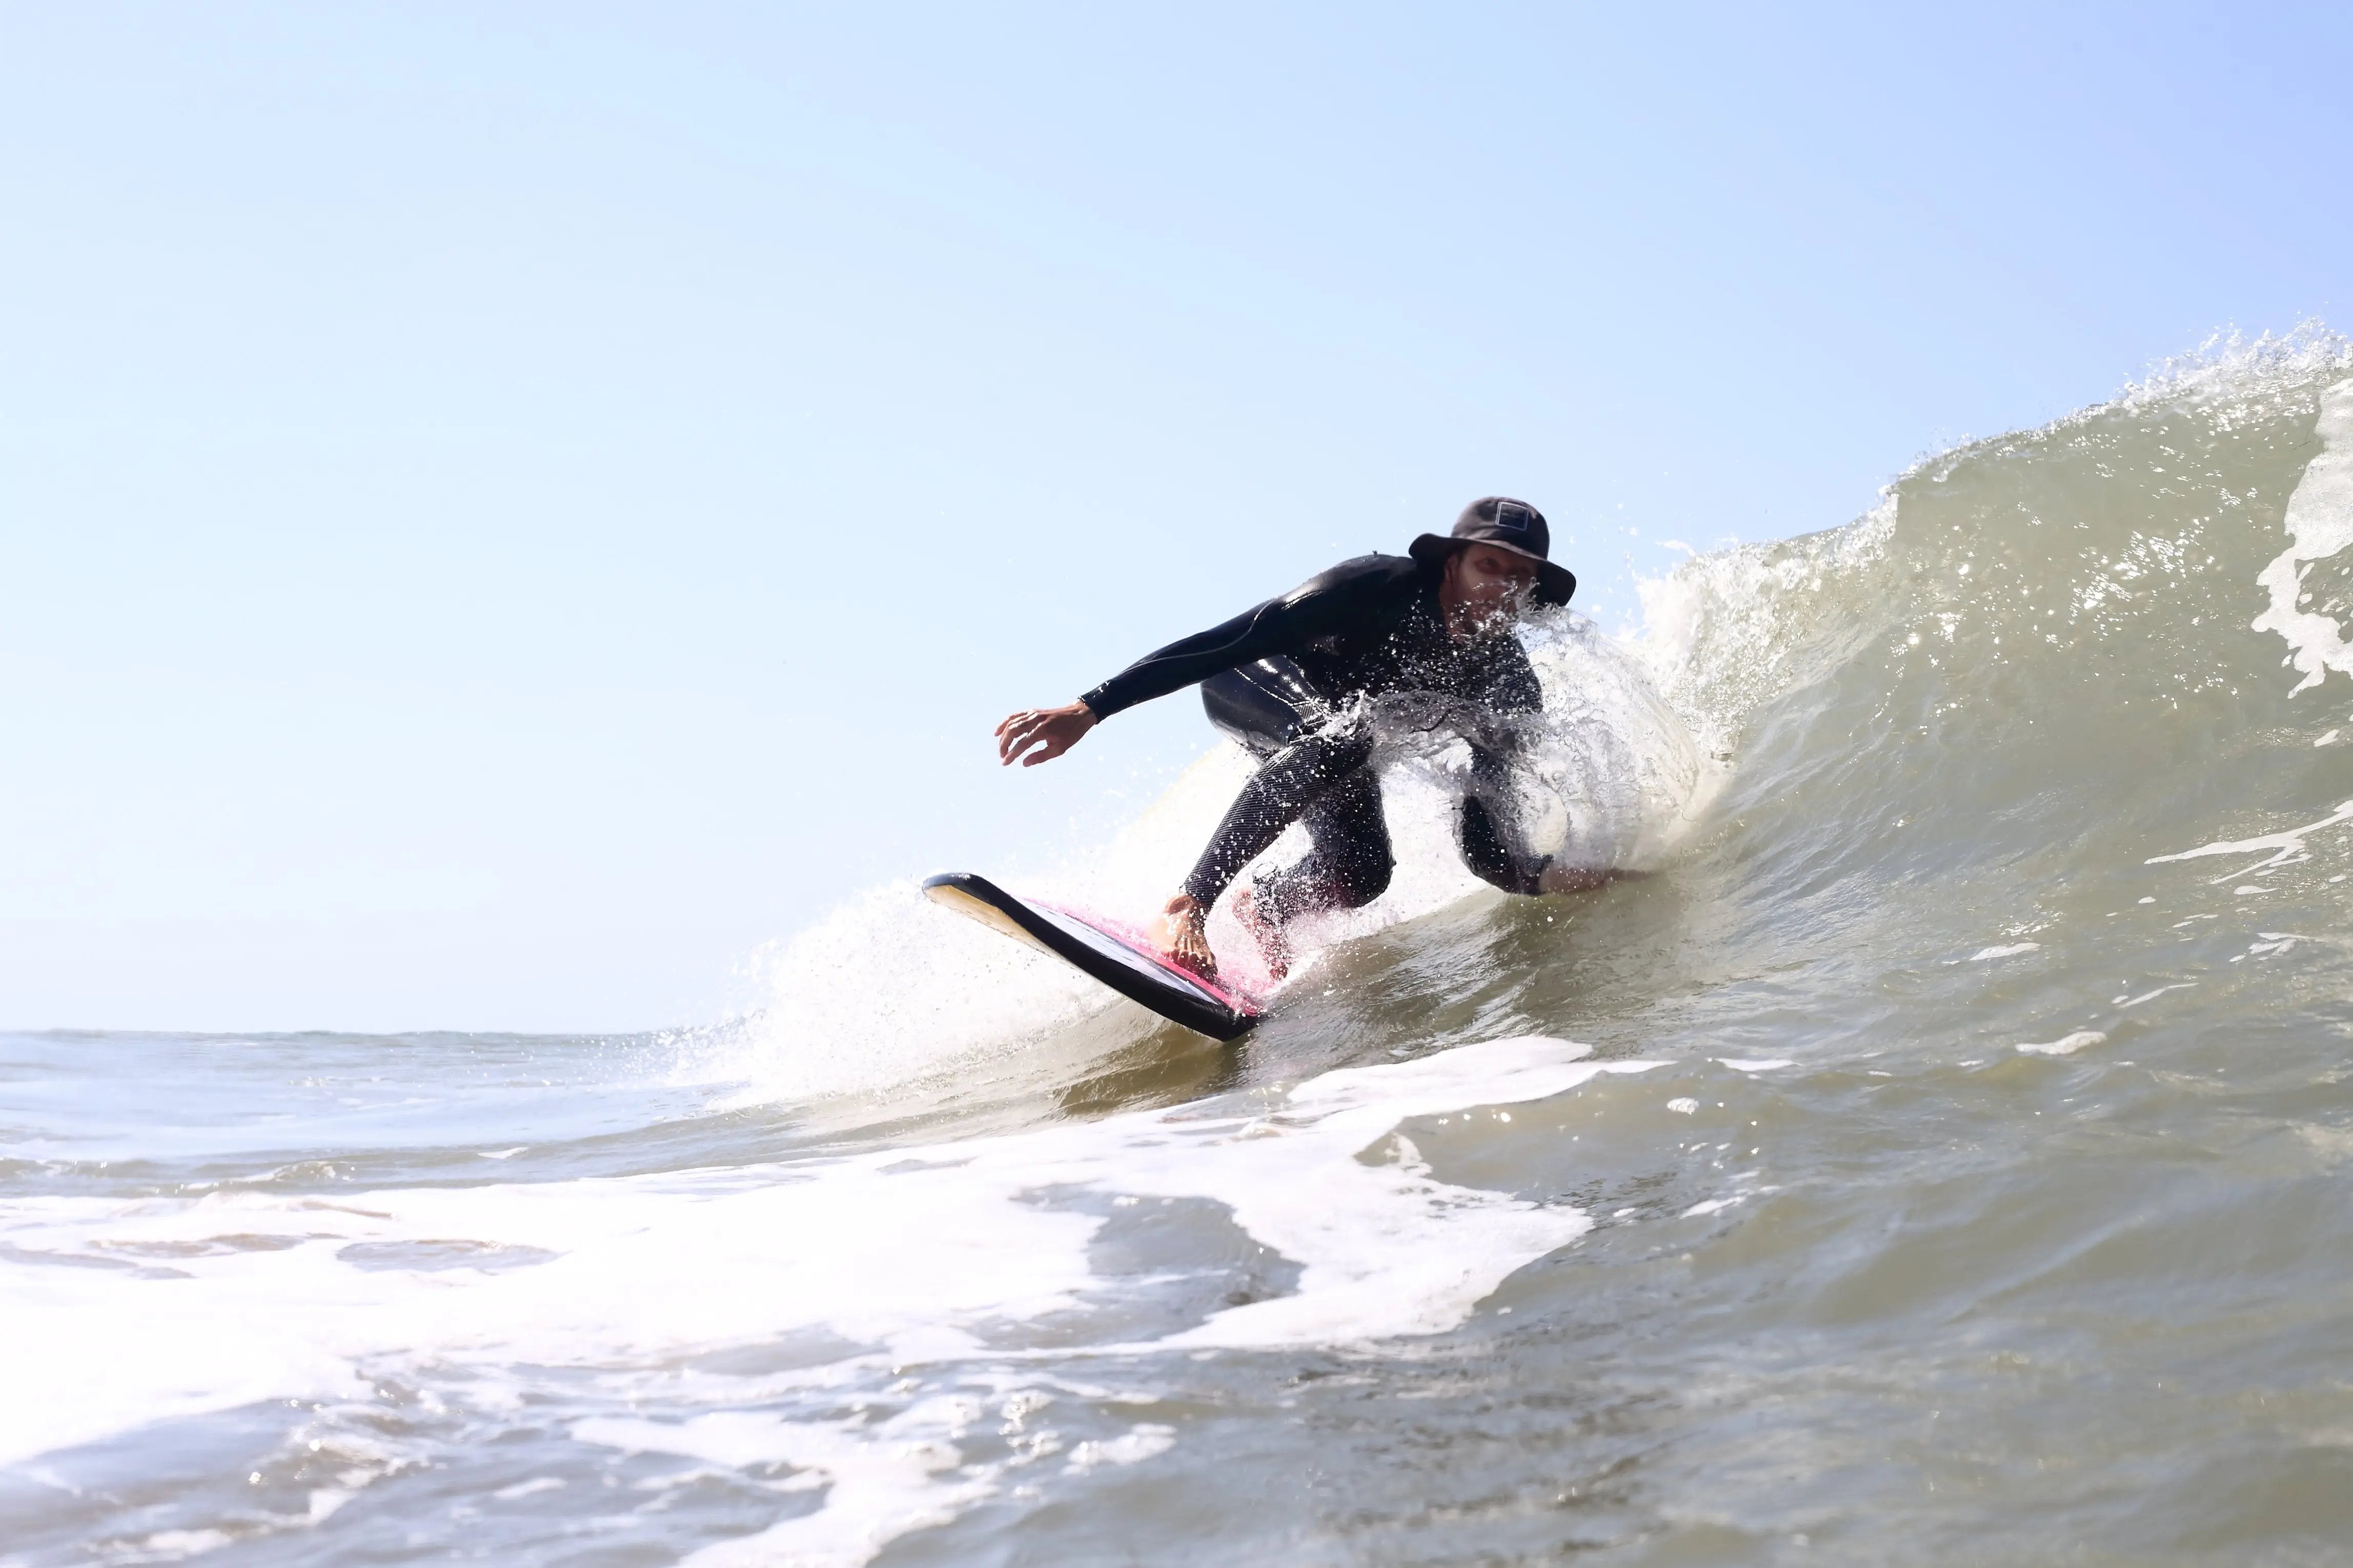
(1273, 946)
(1182, 932)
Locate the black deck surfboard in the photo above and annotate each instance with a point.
(1104, 950)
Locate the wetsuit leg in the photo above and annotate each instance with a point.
(1319, 776)
(1286, 788)
(1348, 861)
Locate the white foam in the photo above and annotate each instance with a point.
(884, 990)
(1137, 1444)
(1757, 1064)
(909, 1254)
(2066, 1045)
(172, 1546)
(530, 1487)
(2012, 951)
(881, 1481)
(2319, 523)
(2287, 845)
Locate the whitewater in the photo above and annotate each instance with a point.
(1940, 1154)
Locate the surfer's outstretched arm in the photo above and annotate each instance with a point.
(1373, 589)
(1038, 735)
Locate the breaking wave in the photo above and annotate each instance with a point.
(1956, 1113)
(1996, 646)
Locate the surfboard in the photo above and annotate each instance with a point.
(1120, 957)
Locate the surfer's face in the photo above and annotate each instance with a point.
(1485, 586)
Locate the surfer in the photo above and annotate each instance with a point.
(1291, 679)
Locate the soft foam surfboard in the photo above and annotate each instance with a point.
(1122, 958)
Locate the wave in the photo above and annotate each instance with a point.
(1976, 1042)
(2012, 649)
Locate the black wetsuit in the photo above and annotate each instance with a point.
(1288, 679)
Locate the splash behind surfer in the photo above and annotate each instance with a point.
(1291, 679)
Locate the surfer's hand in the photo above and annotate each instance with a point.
(1052, 731)
(1182, 934)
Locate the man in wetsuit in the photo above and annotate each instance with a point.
(1291, 679)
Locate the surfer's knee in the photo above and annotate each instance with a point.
(1367, 876)
(1324, 881)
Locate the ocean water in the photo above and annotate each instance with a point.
(1943, 1154)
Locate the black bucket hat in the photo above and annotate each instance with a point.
(1507, 524)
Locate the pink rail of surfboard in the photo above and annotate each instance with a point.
(1140, 945)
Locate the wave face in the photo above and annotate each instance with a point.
(1939, 1155)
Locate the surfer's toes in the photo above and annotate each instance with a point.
(1179, 936)
(1190, 950)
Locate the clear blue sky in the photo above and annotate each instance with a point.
(503, 509)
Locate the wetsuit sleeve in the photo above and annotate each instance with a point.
(1252, 634)
(1348, 593)
(1505, 689)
